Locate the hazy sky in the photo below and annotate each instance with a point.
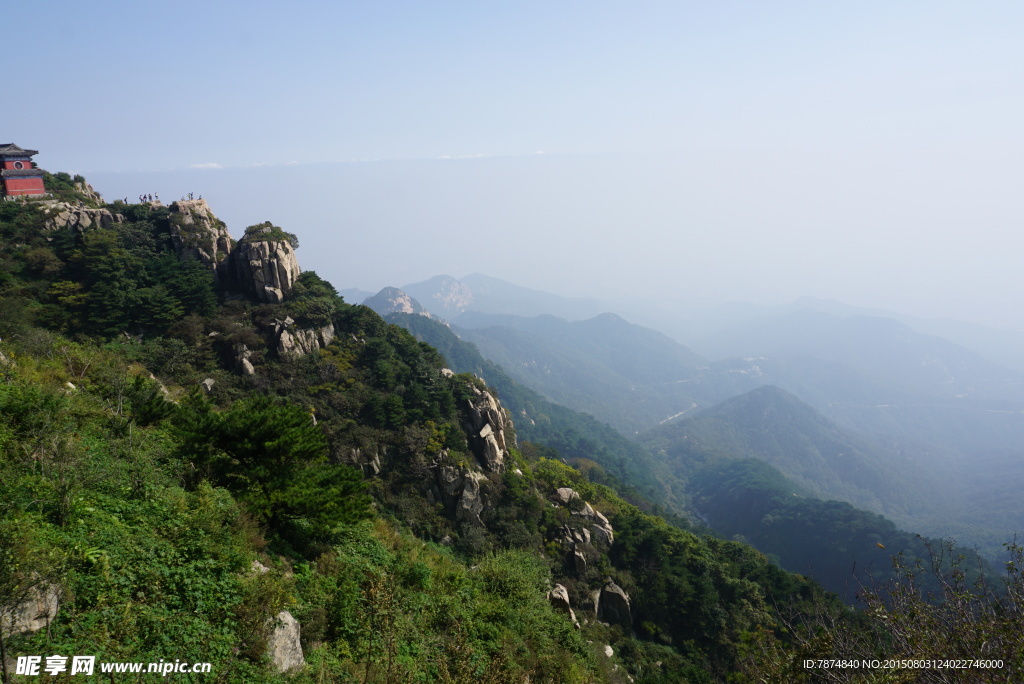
(869, 152)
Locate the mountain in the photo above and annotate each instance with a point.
(723, 474)
(393, 300)
(1001, 346)
(629, 376)
(206, 451)
(574, 435)
(354, 295)
(824, 460)
(883, 350)
(448, 297)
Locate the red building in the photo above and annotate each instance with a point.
(18, 175)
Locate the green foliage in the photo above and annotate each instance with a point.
(146, 501)
(268, 231)
(61, 186)
(829, 540)
(274, 458)
(571, 434)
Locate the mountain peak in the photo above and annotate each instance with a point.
(393, 300)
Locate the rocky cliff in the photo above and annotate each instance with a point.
(63, 215)
(292, 341)
(88, 191)
(197, 233)
(265, 266)
(489, 423)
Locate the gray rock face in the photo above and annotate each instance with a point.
(613, 605)
(265, 269)
(559, 598)
(564, 495)
(35, 612)
(462, 493)
(284, 645)
(489, 422)
(293, 341)
(61, 215)
(87, 190)
(578, 562)
(598, 529)
(197, 233)
(242, 362)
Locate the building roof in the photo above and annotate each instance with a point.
(21, 173)
(12, 150)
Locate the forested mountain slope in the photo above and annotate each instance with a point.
(208, 455)
(772, 425)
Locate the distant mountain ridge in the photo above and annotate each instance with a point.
(916, 397)
(392, 300)
(449, 297)
(627, 375)
(771, 425)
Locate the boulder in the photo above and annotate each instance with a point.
(600, 529)
(368, 463)
(613, 605)
(242, 359)
(564, 495)
(602, 534)
(559, 599)
(34, 612)
(284, 645)
(197, 234)
(265, 269)
(293, 341)
(579, 562)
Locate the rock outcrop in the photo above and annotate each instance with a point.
(242, 359)
(61, 215)
(488, 423)
(461, 492)
(33, 613)
(197, 233)
(559, 598)
(265, 269)
(284, 645)
(588, 525)
(613, 605)
(292, 341)
(84, 188)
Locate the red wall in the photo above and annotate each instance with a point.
(24, 186)
(9, 164)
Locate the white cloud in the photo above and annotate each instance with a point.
(207, 165)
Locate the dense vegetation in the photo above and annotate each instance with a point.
(177, 503)
(577, 437)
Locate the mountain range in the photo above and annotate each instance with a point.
(928, 424)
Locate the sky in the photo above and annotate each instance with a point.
(682, 153)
